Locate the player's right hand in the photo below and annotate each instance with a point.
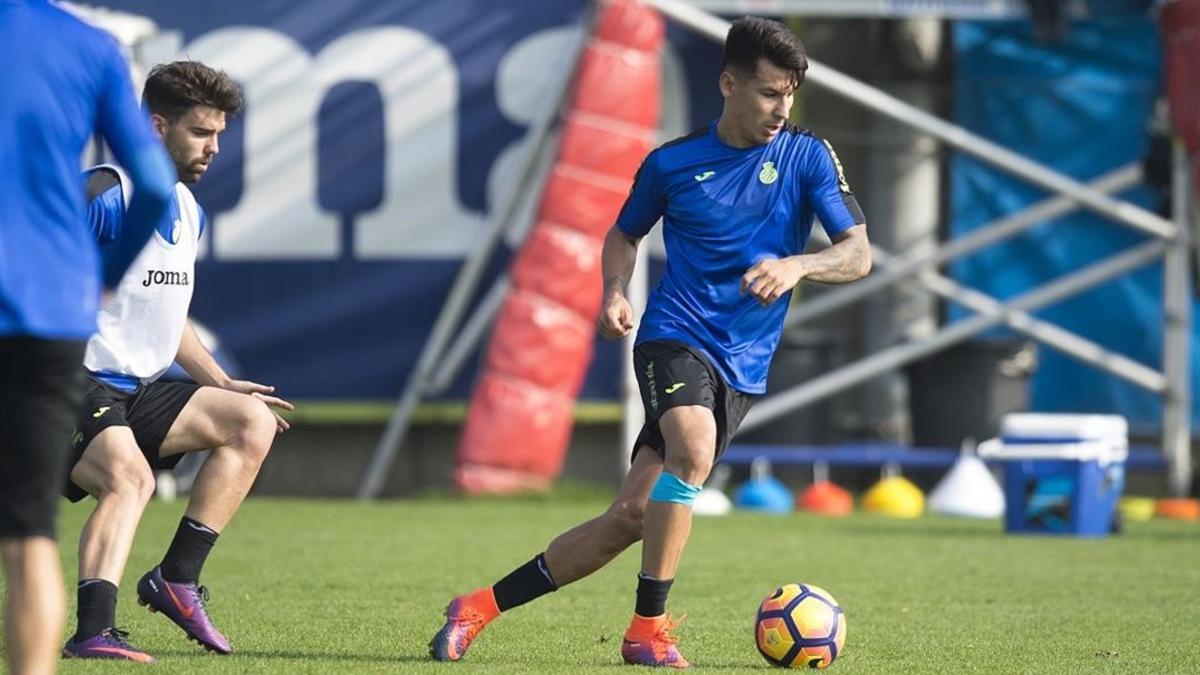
(263, 392)
(616, 317)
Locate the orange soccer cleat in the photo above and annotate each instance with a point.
(649, 642)
(466, 617)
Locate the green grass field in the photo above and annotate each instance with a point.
(334, 587)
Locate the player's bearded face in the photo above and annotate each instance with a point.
(192, 140)
(760, 103)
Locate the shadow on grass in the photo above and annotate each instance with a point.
(947, 529)
(1180, 536)
(905, 529)
(706, 665)
(309, 656)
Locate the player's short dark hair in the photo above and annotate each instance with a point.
(751, 38)
(174, 88)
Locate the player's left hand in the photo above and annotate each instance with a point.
(263, 393)
(770, 278)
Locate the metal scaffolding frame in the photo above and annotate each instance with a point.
(444, 353)
(1169, 240)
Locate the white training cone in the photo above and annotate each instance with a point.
(968, 489)
(712, 500)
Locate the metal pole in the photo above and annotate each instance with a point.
(460, 293)
(476, 327)
(472, 333)
(911, 263)
(1059, 338)
(633, 416)
(1177, 333)
(823, 76)
(904, 170)
(894, 357)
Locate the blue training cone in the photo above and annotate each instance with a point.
(763, 492)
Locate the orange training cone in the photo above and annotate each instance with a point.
(1178, 509)
(826, 498)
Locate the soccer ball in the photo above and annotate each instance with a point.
(800, 626)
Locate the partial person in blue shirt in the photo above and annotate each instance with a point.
(737, 201)
(62, 82)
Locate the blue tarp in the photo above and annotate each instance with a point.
(1082, 106)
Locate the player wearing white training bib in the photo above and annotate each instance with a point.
(140, 327)
(135, 424)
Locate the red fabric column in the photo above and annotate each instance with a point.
(1180, 22)
(519, 421)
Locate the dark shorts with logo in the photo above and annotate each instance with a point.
(40, 392)
(672, 374)
(149, 413)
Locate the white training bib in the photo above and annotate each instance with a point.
(139, 328)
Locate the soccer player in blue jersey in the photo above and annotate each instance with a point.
(737, 201)
(133, 423)
(62, 81)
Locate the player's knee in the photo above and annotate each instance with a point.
(691, 466)
(255, 430)
(625, 522)
(130, 478)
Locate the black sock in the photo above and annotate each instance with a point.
(528, 582)
(97, 608)
(652, 596)
(188, 551)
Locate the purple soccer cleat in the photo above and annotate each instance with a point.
(183, 604)
(111, 643)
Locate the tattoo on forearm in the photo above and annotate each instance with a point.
(616, 281)
(843, 262)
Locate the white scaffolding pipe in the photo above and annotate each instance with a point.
(633, 415)
(1059, 338)
(998, 230)
(468, 339)
(881, 102)
(780, 404)
(1177, 334)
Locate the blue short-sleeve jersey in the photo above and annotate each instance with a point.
(724, 209)
(60, 81)
(106, 216)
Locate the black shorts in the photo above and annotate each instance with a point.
(671, 374)
(41, 389)
(149, 413)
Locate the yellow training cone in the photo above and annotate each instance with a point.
(896, 497)
(1136, 509)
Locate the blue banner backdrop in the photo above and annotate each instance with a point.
(376, 137)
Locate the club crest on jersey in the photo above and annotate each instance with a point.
(165, 278)
(769, 173)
